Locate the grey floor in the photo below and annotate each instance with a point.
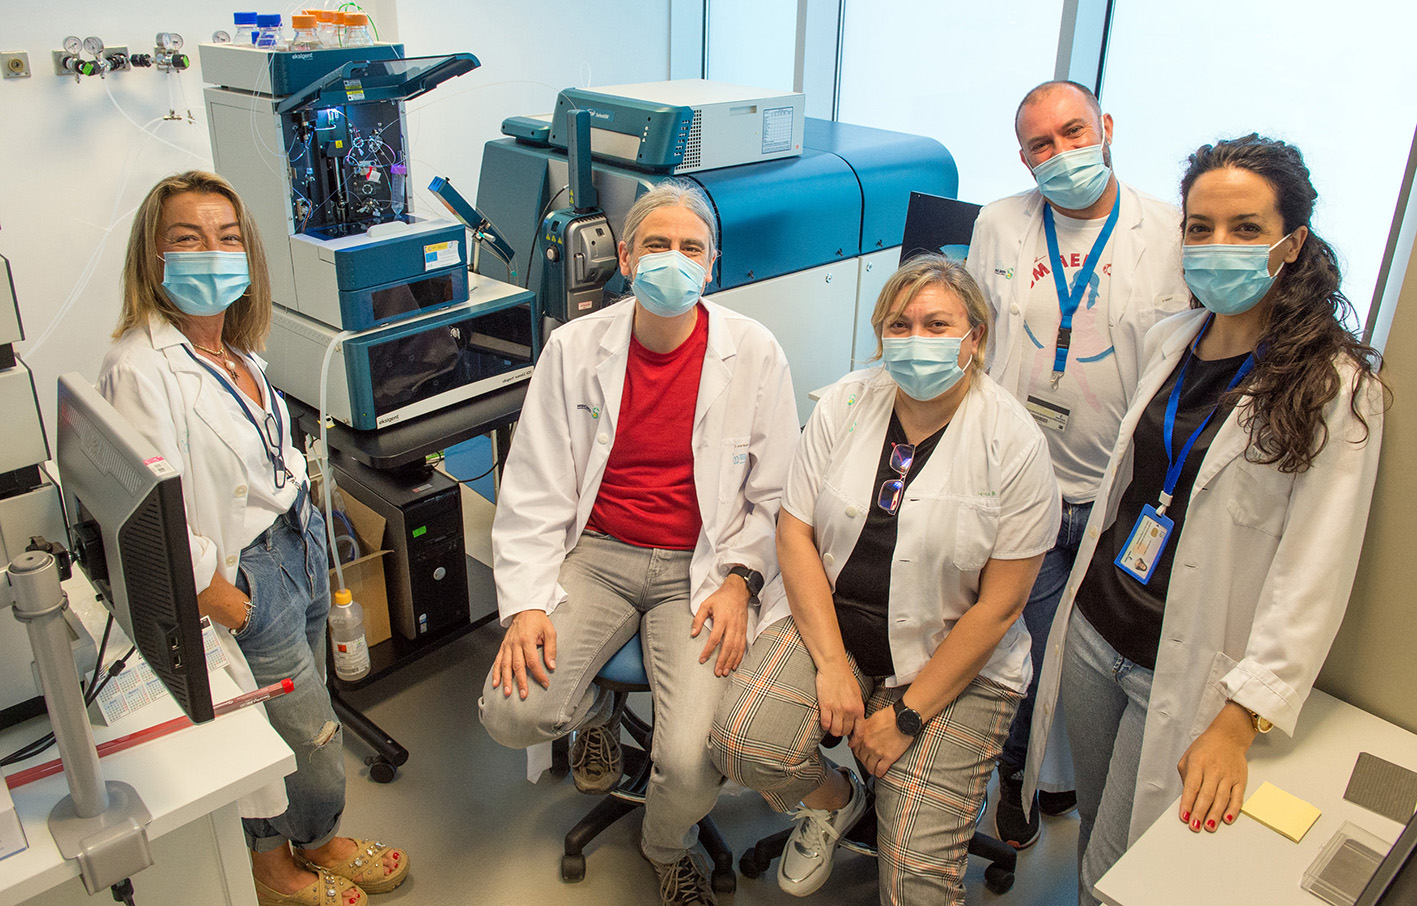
(477, 832)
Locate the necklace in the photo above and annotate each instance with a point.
(220, 355)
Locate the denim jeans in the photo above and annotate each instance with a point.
(615, 590)
(284, 571)
(1105, 697)
(1038, 617)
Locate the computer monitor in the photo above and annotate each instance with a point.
(128, 532)
(1395, 881)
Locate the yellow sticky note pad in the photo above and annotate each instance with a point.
(1281, 811)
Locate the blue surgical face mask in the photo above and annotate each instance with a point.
(1074, 179)
(668, 283)
(205, 283)
(1229, 279)
(924, 367)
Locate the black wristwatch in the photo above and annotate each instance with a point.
(907, 720)
(751, 577)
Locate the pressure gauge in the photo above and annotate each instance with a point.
(94, 46)
(220, 37)
(169, 41)
(72, 45)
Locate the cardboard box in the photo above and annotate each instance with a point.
(363, 576)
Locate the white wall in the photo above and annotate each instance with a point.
(73, 166)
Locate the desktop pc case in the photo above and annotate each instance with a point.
(427, 570)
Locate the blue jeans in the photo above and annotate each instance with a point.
(1038, 617)
(615, 590)
(1105, 697)
(284, 571)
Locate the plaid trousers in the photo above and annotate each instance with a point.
(767, 734)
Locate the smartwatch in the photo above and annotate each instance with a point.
(907, 720)
(751, 577)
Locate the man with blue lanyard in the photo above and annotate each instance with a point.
(1076, 271)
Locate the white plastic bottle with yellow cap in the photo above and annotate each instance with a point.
(347, 635)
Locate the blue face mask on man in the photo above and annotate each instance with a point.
(205, 283)
(1229, 279)
(924, 367)
(668, 283)
(1074, 179)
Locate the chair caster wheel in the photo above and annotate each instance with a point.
(381, 770)
(724, 880)
(749, 865)
(573, 868)
(998, 880)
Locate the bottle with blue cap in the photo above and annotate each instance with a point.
(245, 28)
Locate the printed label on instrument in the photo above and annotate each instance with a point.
(442, 254)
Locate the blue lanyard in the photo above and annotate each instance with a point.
(1173, 464)
(1068, 302)
(275, 457)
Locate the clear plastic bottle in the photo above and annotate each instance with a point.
(347, 633)
(305, 37)
(269, 33)
(245, 28)
(356, 33)
(325, 27)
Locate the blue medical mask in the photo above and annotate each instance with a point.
(205, 283)
(668, 283)
(1229, 279)
(1074, 179)
(924, 367)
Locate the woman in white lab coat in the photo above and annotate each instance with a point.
(196, 304)
(915, 518)
(1209, 588)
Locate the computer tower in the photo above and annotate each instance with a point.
(427, 569)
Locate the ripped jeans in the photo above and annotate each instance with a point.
(284, 571)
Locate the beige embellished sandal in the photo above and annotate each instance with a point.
(366, 867)
(328, 889)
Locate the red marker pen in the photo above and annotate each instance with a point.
(251, 698)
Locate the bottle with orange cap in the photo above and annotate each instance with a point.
(356, 31)
(305, 37)
(351, 650)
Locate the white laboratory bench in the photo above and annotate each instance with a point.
(1247, 862)
(189, 780)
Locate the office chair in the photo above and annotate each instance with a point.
(998, 876)
(622, 674)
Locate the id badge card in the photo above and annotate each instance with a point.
(1145, 544)
(1048, 414)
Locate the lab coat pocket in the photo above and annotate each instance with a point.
(1260, 497)
(733, 468)
(1214, 696)
(976, 529)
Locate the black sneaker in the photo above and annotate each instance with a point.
(683, 883)
(596, 759)
(1055, 804)
(1015, 828)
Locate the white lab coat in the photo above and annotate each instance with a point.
(175, 403)
(1146, 281)
(986, 492)
(1263, 568)
(745, 431)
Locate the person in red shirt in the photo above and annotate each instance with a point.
(640, 497)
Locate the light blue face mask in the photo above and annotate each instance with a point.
(205, 283)
(668, 283)
(1074, 179)
(924, 367)
(1229, 279)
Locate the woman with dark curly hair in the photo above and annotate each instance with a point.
(1209, 588)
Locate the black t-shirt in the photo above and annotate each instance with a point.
(863, 586)
(1124, 611)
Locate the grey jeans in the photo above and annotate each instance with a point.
(1105, 697)
(615, 590)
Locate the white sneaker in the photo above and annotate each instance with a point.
(807, 858)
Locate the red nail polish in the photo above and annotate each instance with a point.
(1210, 825)
(1196, 824)
(1229, 819)
(1185, 816)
